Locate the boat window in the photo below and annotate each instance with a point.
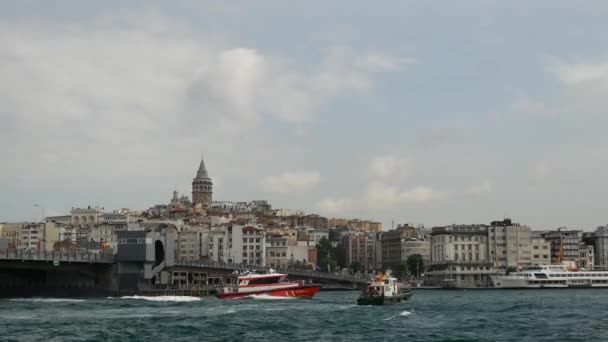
(259, 281)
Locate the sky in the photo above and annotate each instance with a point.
(422, 112)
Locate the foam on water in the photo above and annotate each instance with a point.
(47, 300)
(404, 313)
(165, 298)
(266, 297)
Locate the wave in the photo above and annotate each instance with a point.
(404, 313)
(164, 298)
(265, 297)
(47, 300)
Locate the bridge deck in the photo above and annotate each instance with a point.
(258, 268)
(58, 256)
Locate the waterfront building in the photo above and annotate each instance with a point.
(31, 237)
(540, 251)
(459, 257)
(599, 240)
(238, 244)
(416, 246)
(509, 244)
(277, 251)
(360, 248)
(586, 257)
(565, 244)
(312, 220)
(12, 233)
(202, 187)
(391, 245)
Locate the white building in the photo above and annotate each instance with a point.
(540, 252)
(238, 244)
(459, 257)
(509, 244)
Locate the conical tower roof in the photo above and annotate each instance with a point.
(202, 170)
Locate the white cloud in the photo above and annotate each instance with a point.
(290, 182)
(481, 188)
(573, 74)
(388, 165)
(380, 195)
(138, 89)
(335, 206)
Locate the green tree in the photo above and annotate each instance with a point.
(357, 267)
(415, 265)
(401, 271)
(510, 269)
(324, 250)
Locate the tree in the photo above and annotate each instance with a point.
(323, 253)
(510, 269)
(357, 267)
(415, 265)
(401, 271)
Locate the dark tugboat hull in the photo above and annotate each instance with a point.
(382, 300)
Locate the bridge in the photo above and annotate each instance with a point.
(56, 273)
(292, 272)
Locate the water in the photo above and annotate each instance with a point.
(528, 315)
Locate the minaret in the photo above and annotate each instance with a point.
(202, 187)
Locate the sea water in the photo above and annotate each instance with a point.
(498, 315)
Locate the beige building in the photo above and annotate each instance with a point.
(459, 257)
(416, 246)
(11, 232)
(360, 248)
(277, 251)
(540, 252)
(509, 244)
(357, 225)
(390, 242)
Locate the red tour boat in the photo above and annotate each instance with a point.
(274, 285)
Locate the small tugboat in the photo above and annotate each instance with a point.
(383, 290)
(271, 285)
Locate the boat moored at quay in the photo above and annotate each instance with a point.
(552, 276)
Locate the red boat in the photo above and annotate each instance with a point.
(271, 285)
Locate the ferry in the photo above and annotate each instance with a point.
(551, 276)
(384, 290)
(271, 285)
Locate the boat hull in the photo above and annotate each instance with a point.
(305, 291)
(382, 300)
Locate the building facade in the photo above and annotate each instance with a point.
(459, 257)
(540, 252)
(565, 244)
(416, 246)
(202, 187)
(509, 244)
(391, 248)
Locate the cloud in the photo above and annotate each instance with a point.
(481, 188)
(388, 165)
(138, 88)
(335, 206)
(448, 134)
(289, 182)
(380, 195)
(573, 74)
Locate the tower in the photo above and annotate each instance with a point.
(202, 187)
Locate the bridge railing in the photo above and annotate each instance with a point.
(291, 271)
(30, 255)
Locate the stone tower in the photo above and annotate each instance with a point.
(202, 187)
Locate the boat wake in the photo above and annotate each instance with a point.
(47, 300)
(404, 314)
(164, 298)
(268, 297)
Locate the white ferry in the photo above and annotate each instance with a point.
(551, 276)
